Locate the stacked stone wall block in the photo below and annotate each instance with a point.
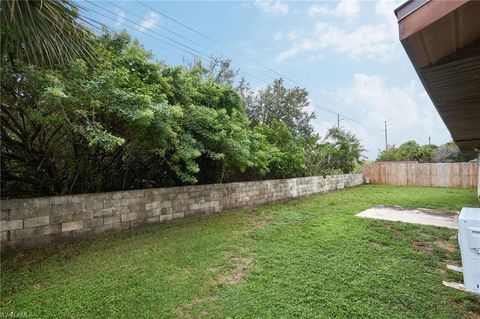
(73, 225)
(28, 223)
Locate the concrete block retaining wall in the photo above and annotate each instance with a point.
(35, 222)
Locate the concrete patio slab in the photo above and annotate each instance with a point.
(421, 216)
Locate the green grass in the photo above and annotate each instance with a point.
(310, 258)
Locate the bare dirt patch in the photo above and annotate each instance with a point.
(443, 271)
(421, 247)
(232, 269)
(399, 234)
(473, 315)
(234, 276)
(448, 246)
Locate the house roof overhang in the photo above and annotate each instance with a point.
(442, 40)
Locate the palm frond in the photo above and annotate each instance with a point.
(43, 32)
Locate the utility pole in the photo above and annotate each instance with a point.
(429, 141)
(338, 121)
(386, 135)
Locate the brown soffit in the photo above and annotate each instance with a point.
(422, 14)
(442, 39)
(446, 35)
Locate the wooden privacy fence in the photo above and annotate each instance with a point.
(459, 175)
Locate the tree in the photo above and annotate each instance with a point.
(389, 154)
(449, 153)
(219, 70)
(408, 151)
(343, 150)
(248, 96)
(320, 158)
(43, 32)
(276, 102)
(428, 152)
(125, 122)
(287, 156)
(412, 151)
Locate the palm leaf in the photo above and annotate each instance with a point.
(43, 32)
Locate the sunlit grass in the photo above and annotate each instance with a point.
(309, 258)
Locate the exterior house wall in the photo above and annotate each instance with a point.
(35, 222)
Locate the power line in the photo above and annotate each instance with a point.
(110, 28)
(163, 28)
(253, 61)
(198, 52)
(138, 30)
(141, 27)
(218, 42)
(143, 32)
(198, 55)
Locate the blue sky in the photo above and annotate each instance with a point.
(346, 53)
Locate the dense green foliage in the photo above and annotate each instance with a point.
(449, 152)
(343, 150)
(277, 102)
(311, 258)
(128, 122)
(412, 151)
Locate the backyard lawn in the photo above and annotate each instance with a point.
(310, 258)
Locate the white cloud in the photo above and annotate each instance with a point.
(361, 132)
(316, 9)
(369, 98)
(296, 49)
(408, 110)
(345, 9)
(383, 102)
(150, 21)
(272, 6)
(120, 18)
(373, 41)
(385, 10)
(322, 127)
(366, 41)
(316, 57)
(292, 35)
